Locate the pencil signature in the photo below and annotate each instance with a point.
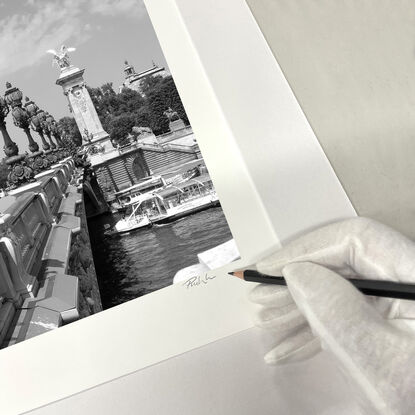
(198, 280)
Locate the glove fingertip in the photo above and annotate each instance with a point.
(266, 294)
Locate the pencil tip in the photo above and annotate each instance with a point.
(238, 274)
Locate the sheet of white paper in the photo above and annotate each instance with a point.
(273, 181)
(226, 377)
(129, 337)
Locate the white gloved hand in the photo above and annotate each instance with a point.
(370, 337)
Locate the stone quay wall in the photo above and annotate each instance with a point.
(47, 274)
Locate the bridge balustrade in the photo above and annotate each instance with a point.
(23, 231)
(31, 224)
(10, 300)
(61, 180)
(24, 226)
(52, 191)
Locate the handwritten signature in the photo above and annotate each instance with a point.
(200, 279)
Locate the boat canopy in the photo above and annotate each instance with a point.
(143, 183)
(142, 198)
(178, 188)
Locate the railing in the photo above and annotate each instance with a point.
(26, 223)
(161, 145)
(127, 148)
(53, 194)
(167, 147)
(177, 147)
(172, 135)
(61, 179)
(23, 230)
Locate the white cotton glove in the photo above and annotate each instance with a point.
(370, 337)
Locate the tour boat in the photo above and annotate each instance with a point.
(134, 193)
(170, 203)
(175, 202)
(132, 221)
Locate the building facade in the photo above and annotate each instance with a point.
(134, 80)
(161, 155)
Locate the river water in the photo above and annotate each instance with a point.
(146, 260)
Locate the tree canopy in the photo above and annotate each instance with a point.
(119, 112)
(68, 125)
(120, 126)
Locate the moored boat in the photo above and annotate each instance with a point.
(133, 221)
(170, 203)
(129, 224)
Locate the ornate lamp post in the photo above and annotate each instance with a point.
(38, 161)
(45, 127)
(13, 98)
(50, 154)
(63, 141)
(10, 147)
(35, 122)
(19, 172)
(53, 129)
(22, 119)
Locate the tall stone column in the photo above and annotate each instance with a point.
(72, 82)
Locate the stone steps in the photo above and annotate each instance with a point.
(119, 173)
(157, 158)
(161, 160)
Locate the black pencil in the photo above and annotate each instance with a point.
(377, 288)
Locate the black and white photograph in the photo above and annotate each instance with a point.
(105, 195)
(206, 207)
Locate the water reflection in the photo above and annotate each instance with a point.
(146, 260)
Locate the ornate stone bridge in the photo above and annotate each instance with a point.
(47, 275)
